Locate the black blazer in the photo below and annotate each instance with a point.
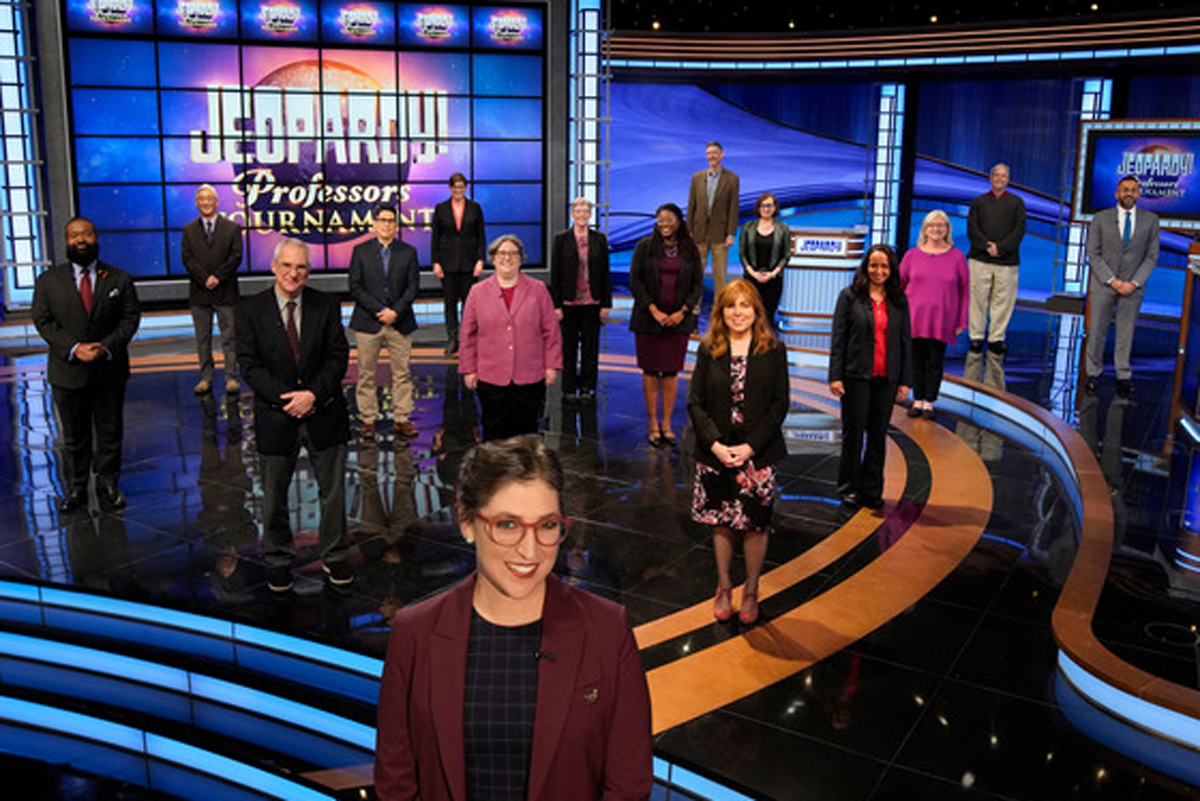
(60, 320)
(457, 251)
(710, 400)
(266, 363)
(564, 268)
(852, 349)
(220, 257)
(643, 283)
(372, 293)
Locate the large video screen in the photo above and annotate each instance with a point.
(1161, 154)
(304, 115)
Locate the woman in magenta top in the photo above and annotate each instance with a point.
(935, 279)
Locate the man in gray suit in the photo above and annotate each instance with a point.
(383, 282)
(1122, 250)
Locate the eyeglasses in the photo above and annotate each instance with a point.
(509, 531)
(507, 254)
(385, 220)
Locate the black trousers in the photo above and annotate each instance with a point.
(329, 466)
(93, 425)
(455, 288)
(512, 410)
(770, 292)
(581, 347)
(929, 358)
(866, 410)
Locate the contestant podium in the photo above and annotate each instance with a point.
(822, 263)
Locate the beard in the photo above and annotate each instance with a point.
(83, 253)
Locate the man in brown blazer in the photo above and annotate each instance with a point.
(212, 251)
(712, 212)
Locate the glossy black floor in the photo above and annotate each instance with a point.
(953, 698)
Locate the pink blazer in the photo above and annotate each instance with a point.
(591, 731)
(506, 346)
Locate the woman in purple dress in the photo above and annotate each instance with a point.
(935, 278)
(666, 278)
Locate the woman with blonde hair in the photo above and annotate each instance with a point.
(936, 280)
(737, 402)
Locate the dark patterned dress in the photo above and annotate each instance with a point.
(737, 498)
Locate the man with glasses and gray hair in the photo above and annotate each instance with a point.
(211, 249)
(294, 353)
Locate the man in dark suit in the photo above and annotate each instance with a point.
(457, 246)
(87, 311)
(581, 287)
(212, 250)
(1122, 251)
(293, 353)
(712, 212)
(383, 282)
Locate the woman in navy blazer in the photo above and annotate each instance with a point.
(737, 402)
(513, 631)
(872, 311)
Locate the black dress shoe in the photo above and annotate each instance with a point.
(110, 498)
(76, 499)
(1124, 388)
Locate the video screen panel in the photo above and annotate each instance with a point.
(303, 115)
(1161, 154)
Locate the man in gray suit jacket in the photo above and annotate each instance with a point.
(1122, 250)
(211, 249)
(383, 282)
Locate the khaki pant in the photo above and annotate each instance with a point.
(994, 295)
(399, 349)
(720, 260)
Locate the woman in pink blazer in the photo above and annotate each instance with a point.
(511, 346)
(513, 685)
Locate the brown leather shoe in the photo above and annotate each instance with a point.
(367, 431)
(203, 387)
(232, 385)
(406, 429)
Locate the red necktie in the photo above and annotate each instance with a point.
(85, 291)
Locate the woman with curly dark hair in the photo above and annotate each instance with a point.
(666, 277)
(870, 368)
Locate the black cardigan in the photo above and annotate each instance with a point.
(643, 283)
(852, 349)
(765, 408)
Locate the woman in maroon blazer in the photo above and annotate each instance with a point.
(513, 685)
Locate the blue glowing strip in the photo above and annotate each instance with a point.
(1187, 557)
(72, 724)
(77, 658)
(1191, 429)
(1185, 566)
(228, 770)
(155, 615)
(704, 787)
(187, 621)
(288, 712)
(1166, 723)
(312, 651)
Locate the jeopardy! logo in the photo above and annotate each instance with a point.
(111, 12)
(360, 21)
(197, 14)
(1161, 169)
(436, 24)
(508, 26)
(279, 17)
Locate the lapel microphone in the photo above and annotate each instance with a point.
(549, 657)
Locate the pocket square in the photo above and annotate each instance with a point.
(114, 292)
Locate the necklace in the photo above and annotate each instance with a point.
(671, 251)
